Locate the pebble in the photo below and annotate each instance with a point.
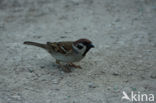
(30, 70)
(153, 76)
(55, 81)
(85, 28)
(116, 73)
(109, 88)
(117, 20)
(63, 37)
(129, 74)
(91, 85)
(37, 37)
(42, 67)
(134, 89)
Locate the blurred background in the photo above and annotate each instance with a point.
(123, 32)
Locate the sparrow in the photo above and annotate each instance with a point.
(66, 51)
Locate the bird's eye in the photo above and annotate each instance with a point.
(79, 46)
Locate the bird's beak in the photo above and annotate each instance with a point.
(91, 46)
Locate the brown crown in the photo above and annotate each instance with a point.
(83, 41)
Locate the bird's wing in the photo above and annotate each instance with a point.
(61, 47)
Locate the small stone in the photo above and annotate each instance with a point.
(63, 37)
(116, 88)
(57, 89)
(91, 85)
(37, 37)
(42, 66)
(85, 28)
(117, 20)
(129, 74)
(109, 88)
(103, 72)
(153, 76)
(134, 89)
(55, 81)
(30, 70)
(116, 73)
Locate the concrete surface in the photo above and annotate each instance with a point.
(124, 59)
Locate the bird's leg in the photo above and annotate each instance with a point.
(75, 66)
(65, 69)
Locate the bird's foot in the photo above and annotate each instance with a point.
(75, 66)
(64, 68)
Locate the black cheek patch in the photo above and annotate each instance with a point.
(79, 46)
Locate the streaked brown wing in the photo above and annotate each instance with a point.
(61, 47)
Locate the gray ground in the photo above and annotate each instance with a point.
(124, 59)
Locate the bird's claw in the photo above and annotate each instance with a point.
(75, 66)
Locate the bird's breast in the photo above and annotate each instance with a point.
(67, 58)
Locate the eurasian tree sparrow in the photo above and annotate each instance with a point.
(66, 51)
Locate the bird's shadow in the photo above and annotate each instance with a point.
(52, 66)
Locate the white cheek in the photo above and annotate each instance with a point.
(81, 51)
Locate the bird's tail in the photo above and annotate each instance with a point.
(44, 46)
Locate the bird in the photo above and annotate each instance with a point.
(66, 51)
